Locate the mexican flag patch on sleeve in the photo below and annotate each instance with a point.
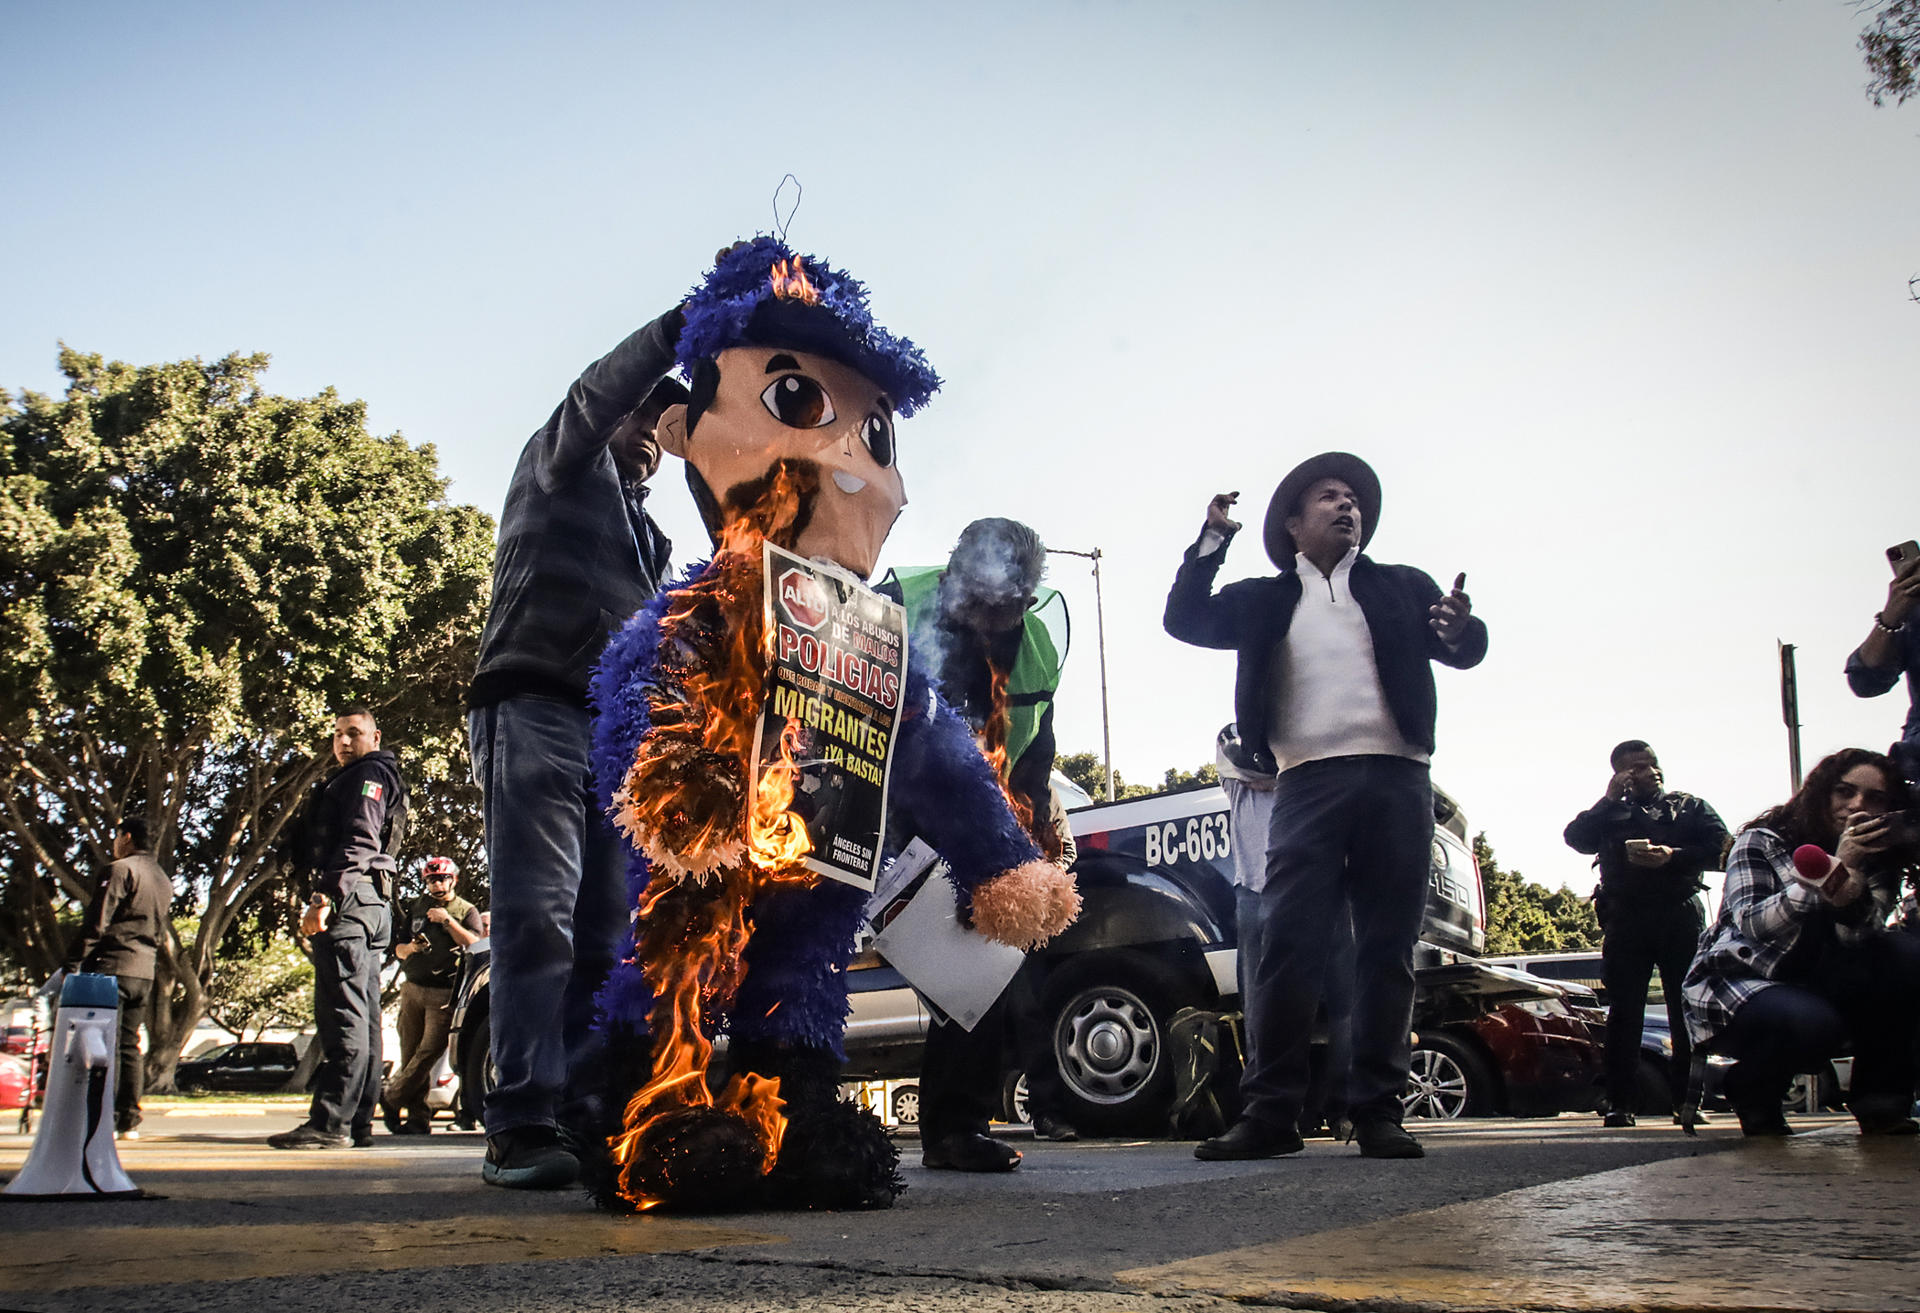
(370, 790)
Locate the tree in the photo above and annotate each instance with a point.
(1523, 917)
(193, 573)
(1087, 770)
(1190, 779)
(260, 991)
(1891, 45)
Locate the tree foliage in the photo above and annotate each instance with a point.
(1523, 917)
(266, 989)
(1087, 770)
(1891, 45)
(193, 573)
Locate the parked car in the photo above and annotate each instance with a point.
(1156, 935)
(16, 1082)
(255, 1068)
(1654, 1096)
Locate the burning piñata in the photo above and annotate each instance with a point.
(788, 436)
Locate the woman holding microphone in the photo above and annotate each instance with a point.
(1801, 960)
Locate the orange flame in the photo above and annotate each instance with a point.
(792, 283)
(993, 746)
(716, 842)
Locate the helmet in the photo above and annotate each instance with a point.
(1234, 762)
(438, 867)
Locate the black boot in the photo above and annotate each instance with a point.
(1247, 1139)
(834, 1155)
(1382, 1136)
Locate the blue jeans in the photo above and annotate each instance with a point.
(558, 899)
(1348, 833)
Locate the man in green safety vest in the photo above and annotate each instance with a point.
(979, 625)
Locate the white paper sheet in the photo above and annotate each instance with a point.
(957, 970)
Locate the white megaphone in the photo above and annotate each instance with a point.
(73, 1155)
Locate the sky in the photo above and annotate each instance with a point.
(1613, 298)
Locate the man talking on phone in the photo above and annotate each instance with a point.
(1892, 649)
(1335, 697)
(1651, 845)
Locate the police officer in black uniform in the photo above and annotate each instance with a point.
(348, 835)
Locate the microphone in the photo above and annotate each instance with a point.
(1819, 868)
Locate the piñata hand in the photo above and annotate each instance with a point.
(1027, 905)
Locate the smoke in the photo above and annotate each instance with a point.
(994, 569)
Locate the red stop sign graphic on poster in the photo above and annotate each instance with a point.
(804, 599)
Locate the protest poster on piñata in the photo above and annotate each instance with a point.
(839, 670)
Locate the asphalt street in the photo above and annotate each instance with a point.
(1501, 1214)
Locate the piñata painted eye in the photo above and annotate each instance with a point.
(877, 433)
(798, 402)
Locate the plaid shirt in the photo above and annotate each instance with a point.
(1764, 911)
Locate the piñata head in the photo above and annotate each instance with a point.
(793, 382)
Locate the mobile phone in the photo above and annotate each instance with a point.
(1900, 553)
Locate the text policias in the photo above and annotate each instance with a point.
(858, 733)
(848, 669)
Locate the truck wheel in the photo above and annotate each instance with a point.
(1109, 1021)
(1447, 1080)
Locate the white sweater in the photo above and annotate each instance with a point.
(1327, 700)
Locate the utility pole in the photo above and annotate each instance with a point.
(1100, 631)
(1790, 709)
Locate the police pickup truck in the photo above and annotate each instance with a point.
(1156, 935)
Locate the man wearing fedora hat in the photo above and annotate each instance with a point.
(1335, 694)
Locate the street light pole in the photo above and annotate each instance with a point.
(1100, 631)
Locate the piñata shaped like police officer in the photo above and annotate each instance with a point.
(789, 438)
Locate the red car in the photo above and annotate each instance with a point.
(14, 1081)
(1531, 1057)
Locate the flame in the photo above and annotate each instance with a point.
(993, 746)
(714, 848)
(792, 283)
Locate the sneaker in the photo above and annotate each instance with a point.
(1053, 1128)
(131, 1133)
(363, 1137)
(969, 1151)
(1248, 1139)
(529, 1158)
(1614, 1121)
(307, 1136)
(413, 1126)
(390, 1117)
(1382, 1137)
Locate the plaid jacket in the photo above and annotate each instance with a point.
(577, 553)
(1764, 910)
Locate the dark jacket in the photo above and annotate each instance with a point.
(124, 923)
(1672, 820)
(346, 833)
(578, 553)
(1871, 681)
(1252, 616)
